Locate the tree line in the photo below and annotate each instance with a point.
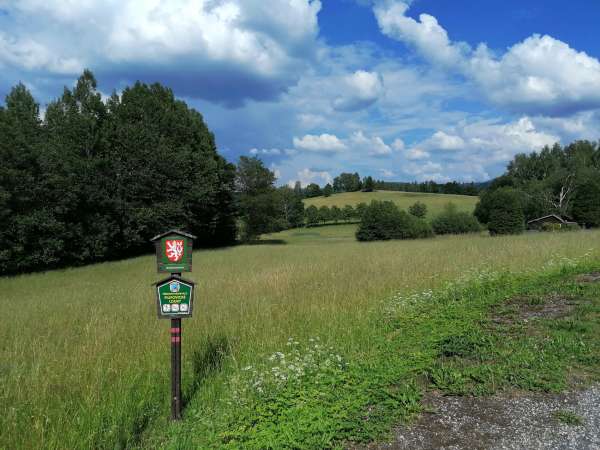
(556, 180)
(94, 180)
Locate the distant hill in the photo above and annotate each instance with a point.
(435, 202)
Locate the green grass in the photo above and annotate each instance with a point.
(568, 417)
(85, 362)
(435, 202)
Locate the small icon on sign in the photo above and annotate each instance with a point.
(175, 308)
(183, 307)
(166, 308)
(174, 286)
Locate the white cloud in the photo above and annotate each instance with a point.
(361, 89)
(398, 144)
(443, 141)
(319, 143)
(373, 146)
(539, 75)
(307, 176)
(417, 153)
(387, 173)
(265, 151)
(222, 50)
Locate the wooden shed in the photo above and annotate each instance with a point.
(538, 224)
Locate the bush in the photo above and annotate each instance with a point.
(418, 210)
(506, 212)
(312, 216)
(550, 227)
(586, 205)
(384, 221)
(451, 221)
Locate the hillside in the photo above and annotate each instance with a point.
(435, 202)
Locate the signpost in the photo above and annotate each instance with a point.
(174, 298)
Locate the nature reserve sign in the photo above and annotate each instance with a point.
(174, 251)
(174, 298)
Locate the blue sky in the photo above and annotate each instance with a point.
(400, 90)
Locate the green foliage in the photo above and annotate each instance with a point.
(259, 201)
(568, 417)
(335, 214)
(360, 209)
(347, 182)
(557, 180)
(451, 221)
(313, 190)
(327, 190)
(311, 215)
(418, 209)
(502, 210)
(348, 213)
(324, 214)
(586, 205)
(368, 184)
(291, 208)
(384, 221)
(96, 180)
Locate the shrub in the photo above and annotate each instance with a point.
(506, 212)
(312, 216)
(384, 221)
(418, 210)
(348, 212)
(324, 214)
(551, 227)
(451, 221)
(586, 205)
(360, 209)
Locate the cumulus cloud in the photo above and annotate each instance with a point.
(319, 143)
(373, 146)
(221, 50)
(443, 141)
(417, 153)
(307, 176)
(361, 89)
(540, 75)
(398, 144)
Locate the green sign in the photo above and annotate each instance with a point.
(174, 251)
(174, 298)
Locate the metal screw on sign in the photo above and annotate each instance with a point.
(174, 298)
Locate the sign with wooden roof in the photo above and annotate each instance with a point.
(174, 251)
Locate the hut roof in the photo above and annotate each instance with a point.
(556, 216)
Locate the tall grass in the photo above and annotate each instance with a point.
(84, 360)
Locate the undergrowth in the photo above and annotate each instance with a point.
(309, 395)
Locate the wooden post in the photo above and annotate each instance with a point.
(175, 369)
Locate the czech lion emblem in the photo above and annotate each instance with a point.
(174, 249)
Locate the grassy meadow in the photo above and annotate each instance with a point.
(85, 362)
(435, 202)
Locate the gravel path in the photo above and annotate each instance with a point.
(525, 421)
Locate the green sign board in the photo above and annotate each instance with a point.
(175, 298)
(174, 251)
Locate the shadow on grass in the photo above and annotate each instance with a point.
(206, 361)
(267, 242)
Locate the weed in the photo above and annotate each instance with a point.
(568, 417)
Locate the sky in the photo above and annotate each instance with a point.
(400, 90)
